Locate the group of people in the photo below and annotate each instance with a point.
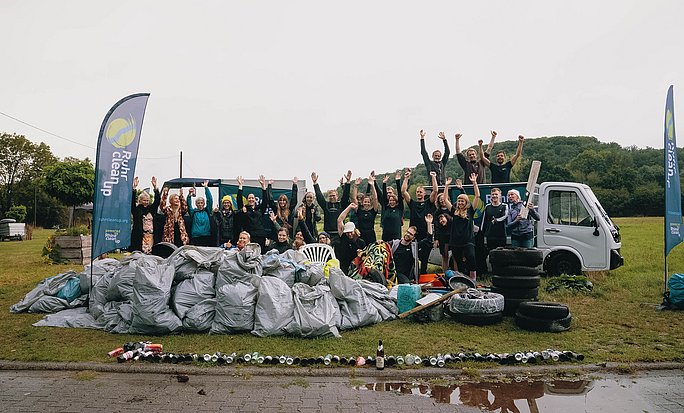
(349, 222)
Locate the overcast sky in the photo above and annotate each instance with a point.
(282, 88)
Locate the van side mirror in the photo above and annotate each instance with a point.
(596, 231)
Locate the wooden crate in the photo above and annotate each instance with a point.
(75, 249)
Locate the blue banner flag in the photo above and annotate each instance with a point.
(117, 151)
(673, 197)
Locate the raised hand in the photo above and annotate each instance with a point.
(458, 136)
(521, 138)
(441, 136)
(191, 191)
(459, 183)
(493, 134)
(371, 176)
(240, 181)
(433, 173)
(407, 174)
(480, 142)
(262, 181)
(428, 219)
(422, 134)
(270, 182)
(354, 206)
(385, 179)
(205, 183)
(295, 180)
(135, 182)
(154, 182)
(473, 178)
(314, 177)
(348, 176)
(397, 175)
(272, 216)
(165, 191)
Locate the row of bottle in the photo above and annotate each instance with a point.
(439, 360)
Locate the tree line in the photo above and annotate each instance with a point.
(629, 181)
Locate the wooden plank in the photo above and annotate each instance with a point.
(430, 304)
(531, 183)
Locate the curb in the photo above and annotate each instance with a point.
(527, 370)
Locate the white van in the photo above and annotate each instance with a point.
(574, 231)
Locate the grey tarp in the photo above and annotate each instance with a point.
(99, 268)
(151, 294)
(117, 317)
(380, 297)
(316, 311)
(121, 285)
(356, 309)
(72, 317)
(42, 298)
(274, 309)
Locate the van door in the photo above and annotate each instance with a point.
(569, 222)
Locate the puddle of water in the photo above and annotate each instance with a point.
(605, 395)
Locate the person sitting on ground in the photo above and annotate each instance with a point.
(438, 162)
(350, 241)
(142, 233)
(174, 227)
(501, 170)
(202, 222)
(365, 216)
(418, 210)
(521, 229)
(407, 250)
(332, 207)
(469, 163)
(251, 215)
(225, 221)
(461, 241)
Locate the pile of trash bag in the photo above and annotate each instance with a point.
(204, 289)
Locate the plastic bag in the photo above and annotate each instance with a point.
(274, 308)
(356, 310)
(200, 317)
(276, 266)
(316, 311)
(192, 291)
(71, 290)
(49, 287)
(151, 294)
(235, 304)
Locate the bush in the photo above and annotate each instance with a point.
(74, 231)
(17, 213)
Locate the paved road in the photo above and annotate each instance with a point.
(87, 391)
(115, 391)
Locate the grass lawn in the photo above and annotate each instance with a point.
(617, 322)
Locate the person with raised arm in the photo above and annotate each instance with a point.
(142, 233)
(225, 221)
(392, 217)
(470, 163)
(438, 162)
(521, 229)
(332, 206)
(418, 210)
(365, 215)
(203, 224)
(461, 241)
(251, 215)
(174, 226)
(284, 207)
(407, 250)
(501, 170)
(349, 242)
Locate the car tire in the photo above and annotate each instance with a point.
(511, 304)
(538, 324)
(563, 262)
(515, 270)
(462, 304)
(516, 282)
(479, 319)
(517, 292)
(544, 310)
(525, 257)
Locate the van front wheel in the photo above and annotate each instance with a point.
(563, 263)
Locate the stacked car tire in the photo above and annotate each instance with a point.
(543, 316)
(477, 308)
(516, 275)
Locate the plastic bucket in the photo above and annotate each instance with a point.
(426, 278)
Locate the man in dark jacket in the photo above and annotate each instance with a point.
(332, 207)
(438, 162)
